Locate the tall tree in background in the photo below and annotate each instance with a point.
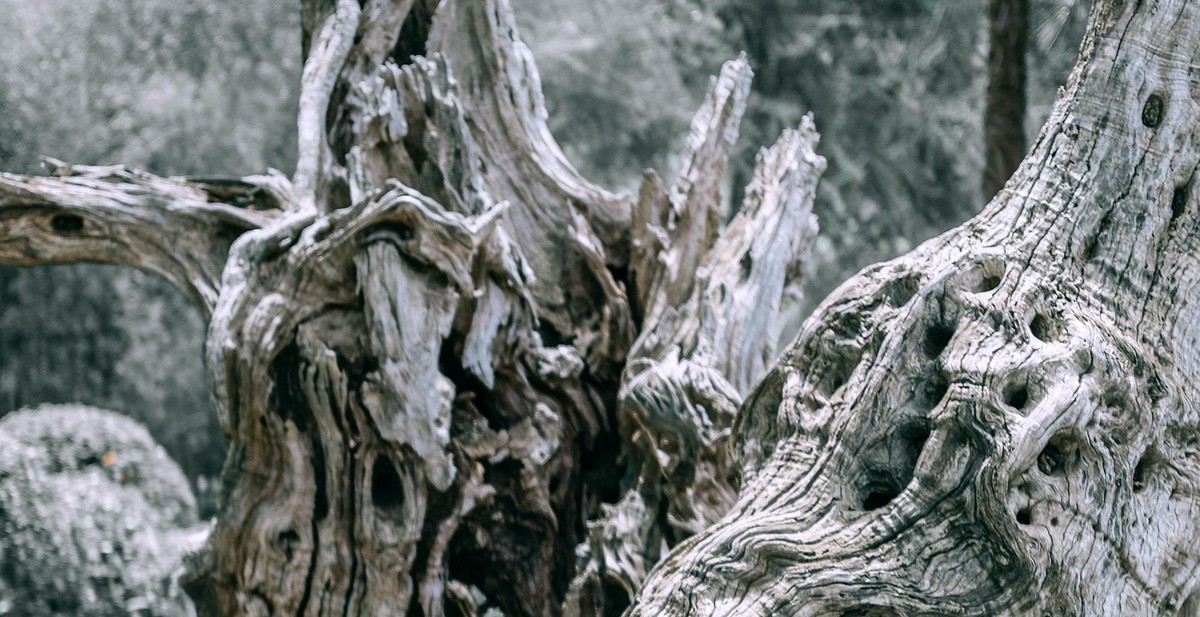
(431, 342)
(1004, 116)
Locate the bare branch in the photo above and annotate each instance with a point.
(708, 335)
(321, 70)
(177, 228)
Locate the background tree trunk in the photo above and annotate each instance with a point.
(1002, 422)
(1004, 115)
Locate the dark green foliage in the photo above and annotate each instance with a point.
(94, 516)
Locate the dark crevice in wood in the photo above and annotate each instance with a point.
(990, 273)
(1152, 112)
(287, 393)
(898, 292)
(937, 337)
(1017, 397)
(414, 33)
(321, 494)
(387, 488)
(878, 496)
(66, 224)
(1058, 455)
(469, 388)
(1144, 469)
(1043, 328)
(936, 387)
(1179, 199)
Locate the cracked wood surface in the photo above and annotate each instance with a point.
(455, 377)
(1002, 422)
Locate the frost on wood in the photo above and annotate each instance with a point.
(94, 516)
(1002, 422)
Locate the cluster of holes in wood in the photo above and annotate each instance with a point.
(1056, 460)
(884, 484)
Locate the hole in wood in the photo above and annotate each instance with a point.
(1152, 112)
(935, 390)
(1143, 471)
(879, 496)
(387, 489)
(1057, 456)
(989, 282)
(937, 337)
(1024, 516)
(987, 276)
(1017, 397)
(899, 291)
(1179, 201)
(67, 223)
(1043, 328)
(287, 540)
(916, 436)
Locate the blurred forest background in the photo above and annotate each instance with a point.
(897, 88)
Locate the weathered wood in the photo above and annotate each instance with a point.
(177, 228)
(1002, 422)
(696, 357)
(444, 362)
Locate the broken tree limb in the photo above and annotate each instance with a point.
(177, 228)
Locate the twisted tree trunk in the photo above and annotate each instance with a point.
(1003, 422)
(456, 377)
(420, 343)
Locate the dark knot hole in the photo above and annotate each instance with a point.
(67, 223)
(387, 488)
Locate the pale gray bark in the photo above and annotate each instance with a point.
(1002, 422)
(455, 377)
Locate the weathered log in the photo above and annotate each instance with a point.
(1004, 421)
(438, 353)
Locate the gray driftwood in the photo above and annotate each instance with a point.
(456, 378)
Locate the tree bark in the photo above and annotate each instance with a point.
(420, 343)
(1002, 422)
(455, 377)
